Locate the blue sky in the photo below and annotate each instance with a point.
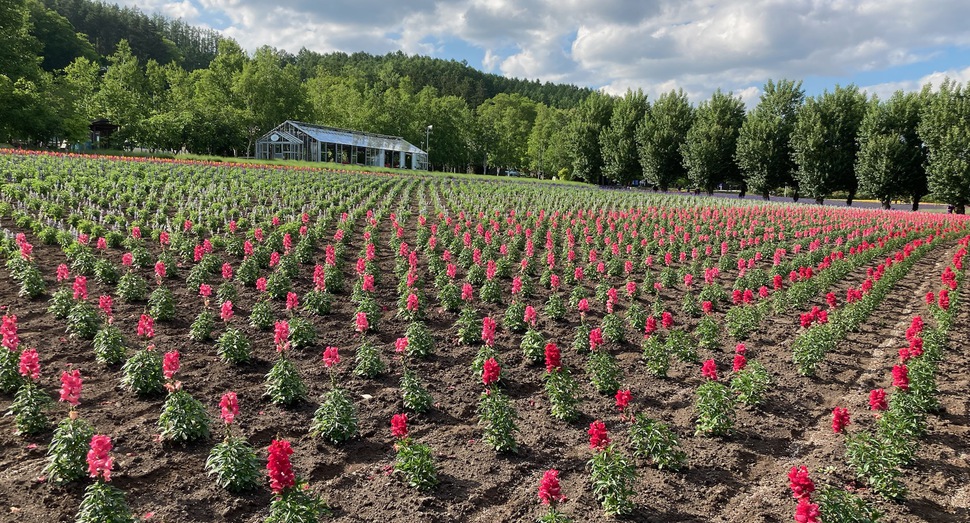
(613, 45)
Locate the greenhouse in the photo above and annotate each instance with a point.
(316, 143)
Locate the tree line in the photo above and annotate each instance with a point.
(204, 94)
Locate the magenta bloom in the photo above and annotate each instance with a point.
(901, 377)
(623, 398)
(840, 419)
(99, 458)
(801, 485)
(171, 364)
(598, 437)
(281, 335)
(553, 357)
(399, 426)
(490, 371)
(71, 387)
(330, 357)
(281, 476)
(549, 490)
(360, 322)
(30, 364)
(709, 370)
(225, 310)
(229, 405)
(877, 400)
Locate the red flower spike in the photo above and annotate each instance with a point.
(553, 358)
(709, 370)
(399, 426)
(840, 419)
(801, 485)
(281, 476)
(490, 371)
(229, 407)
(99, 458)
(599, 439)
(71, 387)
(331, 357)
(549, 490)
(877, 400)
(623, 398)
(807, 512)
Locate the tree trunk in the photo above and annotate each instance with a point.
(820, 200)
(765, 195)
(915, 204)
(886, 204)
(959, 209)
(794, 196)
(848, 200)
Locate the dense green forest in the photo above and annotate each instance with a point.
(170, 86)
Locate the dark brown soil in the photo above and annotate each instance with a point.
(741, 478)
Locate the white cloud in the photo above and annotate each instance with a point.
(656, 45)
(885, 90)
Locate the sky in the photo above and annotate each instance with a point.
(615, 45)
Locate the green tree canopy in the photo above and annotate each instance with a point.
(621, 157)
(660, 135)
(711, 142)
(945, 129)
(825, 142)
(764, 151)
(891, 157)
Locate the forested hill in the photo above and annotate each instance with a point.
(449, 77)
(93, 29)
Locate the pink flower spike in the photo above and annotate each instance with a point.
(229, 405)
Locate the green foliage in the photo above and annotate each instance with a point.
(613, 475)
(284, 386)
(302, 334)
(825, 142)
(636, 317)
(368, 361)
(142, 373)
(83, 321)
(839, 506)
(318, 302)
(161, 304)
(278, 285)
(944, 130)
(708, 333)
(109, 345)
(764, 151)
(261, 316)
(336, 419)
(61, 303)
(682, 345)
(715, 409)
(10, 378)
(106, 272)
(132, 288)
(183, 418)
(67, 454)
(581, 339)
(654, 441)
(809, 349)
(656, 356)
(103, 503)
(659, 136)
(415, 462)
(563, 392)
(297, 505)
(555, 307)
(469, 326)
(234, 464)
(751, 383)
(604, 372)
(420, 341)
(742, 320)
(533, 346)
(28, 408)
(620, 155)
(875, 461)
(201, 328)
(234, 347)
(613, 328)
(497, 415)
(490, 291)
(28, 276)
(415, 396)
(513, 319)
